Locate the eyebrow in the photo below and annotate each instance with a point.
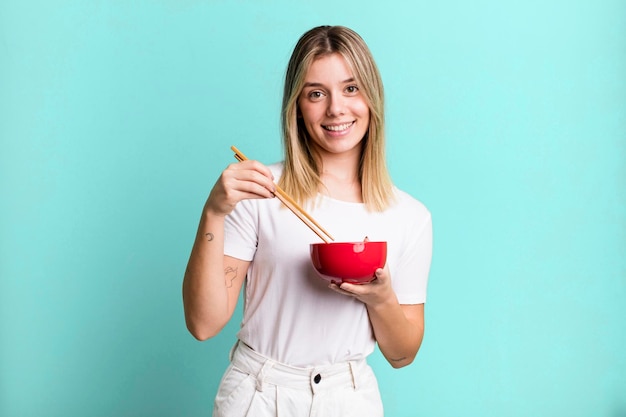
(349, 80)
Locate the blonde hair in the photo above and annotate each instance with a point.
(301, 176)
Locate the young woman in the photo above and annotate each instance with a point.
(303, 343)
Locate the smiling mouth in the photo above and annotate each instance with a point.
(338, 128)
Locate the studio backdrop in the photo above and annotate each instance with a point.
(507, 119)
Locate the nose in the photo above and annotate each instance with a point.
(336, 105)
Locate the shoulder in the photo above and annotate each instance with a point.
(405, 202)
(410, 211)
(414, 221)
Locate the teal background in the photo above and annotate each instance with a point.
(506, 118)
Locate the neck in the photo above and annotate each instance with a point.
(344, 167)
(341, 181)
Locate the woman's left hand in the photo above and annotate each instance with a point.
(378, 291)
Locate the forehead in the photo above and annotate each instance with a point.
(330, 67)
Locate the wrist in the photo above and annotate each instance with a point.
(211, 213)
(211, 222)
(384, 303)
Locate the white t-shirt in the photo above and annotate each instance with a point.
(290, 314)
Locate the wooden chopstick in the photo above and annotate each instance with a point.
(293, 206)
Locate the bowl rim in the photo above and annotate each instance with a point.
(347, 243)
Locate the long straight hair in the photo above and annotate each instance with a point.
(301, 174)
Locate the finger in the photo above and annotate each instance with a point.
(229, 190)
(356, 290)
(345, 286)
(254, 166)
(248, 181)
(335, 288)
(251, 189)
(381, 274)
(236, 189)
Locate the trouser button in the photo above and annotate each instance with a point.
(317, 378)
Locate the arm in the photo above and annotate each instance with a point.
(398, 328)
(212, 280)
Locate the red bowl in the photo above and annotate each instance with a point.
(353, 262)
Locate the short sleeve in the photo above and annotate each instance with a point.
(410, 275)
(241, 231)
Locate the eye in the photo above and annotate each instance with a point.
(315, 95)
(352, 89)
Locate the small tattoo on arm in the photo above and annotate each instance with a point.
(230, 273)
(209, 236)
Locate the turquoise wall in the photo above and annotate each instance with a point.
(507, 118)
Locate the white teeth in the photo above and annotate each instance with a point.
(338, 128)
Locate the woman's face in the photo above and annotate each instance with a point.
(332, 107)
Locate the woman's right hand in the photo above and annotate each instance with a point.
(240, 181)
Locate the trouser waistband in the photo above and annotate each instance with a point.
(268, 371)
